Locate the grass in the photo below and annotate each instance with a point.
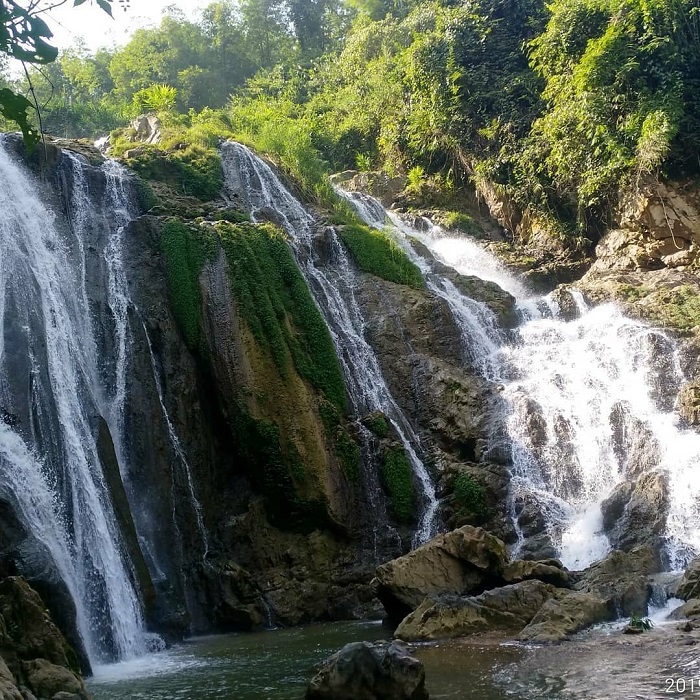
(377, 253)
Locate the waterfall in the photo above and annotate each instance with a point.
(587, 402)
(256, 187)
(52, 398)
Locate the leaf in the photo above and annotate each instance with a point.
(106, 5)
(14, 107)
(79, 2)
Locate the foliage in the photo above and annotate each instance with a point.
(278, 306)
(193, 170)
(642, 624)
(377, 253)
(377, 424)
(397, 479)
(463, 222)
(470, 496)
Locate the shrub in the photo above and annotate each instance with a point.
(397, 479)
(470, 496)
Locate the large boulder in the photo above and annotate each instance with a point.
(466, 561)
(364, 671)
(621, 580)
(549, 570)
(507, 608)
(565, 613)
(46, 680)
(689, 586)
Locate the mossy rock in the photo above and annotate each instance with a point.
(377, 253)
(397, 480)
(377, 424)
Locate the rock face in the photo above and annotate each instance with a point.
(363, 671)
(463, 562)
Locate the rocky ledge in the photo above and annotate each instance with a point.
(462, 583)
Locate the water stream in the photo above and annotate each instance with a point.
(588, 399)
(254, 186)
(50, 466)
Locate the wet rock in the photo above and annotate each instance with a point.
(635, 513)
(689, 403)
(506, 608)
(363, 671)
(565, 613)
(45, 680)
(689, 610)
(463, 562)
(689, 586)
(621, 581)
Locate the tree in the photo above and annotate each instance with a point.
(24, 35)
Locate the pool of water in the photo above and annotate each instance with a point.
(277, 665)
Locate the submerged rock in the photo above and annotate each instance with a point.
(463, 562)
(364, 671)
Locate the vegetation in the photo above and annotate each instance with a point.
(397, 479)
(341, 442)
(377, 424)
(186, 247)
(278, 306)
(377, 253)
(640, 624)
(470, 496)
(554, 105)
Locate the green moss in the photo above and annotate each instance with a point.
(233, 216)
(194, 170)
(278, 306)
(678, 308)
(277, 471)
(341, 442)
(462, 222)
(147, 198)
(397, 479)
(377, 424)
(470, 495)
(186, 248)
(375, 252)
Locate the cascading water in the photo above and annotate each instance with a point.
(51, 399)
(587, 402)
(332, 285)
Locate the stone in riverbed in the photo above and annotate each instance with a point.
(445, 617)
(563, 614)
(364, 671)
(466, 561)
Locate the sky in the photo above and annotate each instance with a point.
(97, 29)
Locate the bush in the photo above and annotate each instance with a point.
(470, 496)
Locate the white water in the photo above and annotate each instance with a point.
(332, 286)
(582, 399)
(43, 289)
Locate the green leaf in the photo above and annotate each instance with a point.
(106, 5)
(14, 107)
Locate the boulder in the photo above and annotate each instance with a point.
(621, 580)
(46, 680)
(364, 671)
(689, 586)
(689, 403)
(466, 561)
(507, 608)
(688, 611)
(565, 613)
(549, 571)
